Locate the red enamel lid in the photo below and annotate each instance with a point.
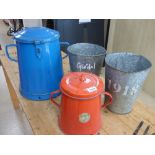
(81, 85)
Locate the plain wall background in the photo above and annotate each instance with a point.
(32, 22)
(137, 36)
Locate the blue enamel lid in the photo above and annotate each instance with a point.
(36, 35)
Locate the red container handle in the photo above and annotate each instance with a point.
(110, 99)
(52, 100)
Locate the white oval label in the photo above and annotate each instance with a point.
(91, 89)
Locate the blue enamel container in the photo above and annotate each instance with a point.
(39, 61)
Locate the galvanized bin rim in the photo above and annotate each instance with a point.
(79, 54)
(129, 53)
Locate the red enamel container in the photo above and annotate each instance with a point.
(80, 107)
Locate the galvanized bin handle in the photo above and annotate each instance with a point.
(7, 52)
(66, 44)
(110, 99)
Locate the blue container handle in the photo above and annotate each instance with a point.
(66, 44)
(7, 52)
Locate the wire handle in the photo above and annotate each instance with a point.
(110, 99)
(7, 52)
(66, 44)
(52, 100)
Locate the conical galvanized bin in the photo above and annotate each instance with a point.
(86, 57)
(125, 74)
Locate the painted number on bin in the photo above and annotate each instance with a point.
(87, 66)
(127, 90)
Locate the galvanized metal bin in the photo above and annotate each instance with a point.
(124, 77)
(86, 57)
